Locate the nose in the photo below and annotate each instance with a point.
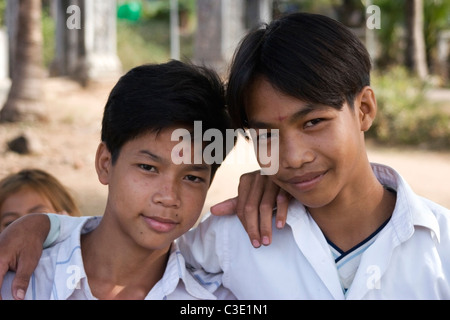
(295, 150)
(167, 195)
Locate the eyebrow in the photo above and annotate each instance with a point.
(303, 112)
(8, 213)
(31, 210)
(193, 167)
(39, 206)
(151, 155)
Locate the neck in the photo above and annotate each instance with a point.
(358, 211)
(119, 271)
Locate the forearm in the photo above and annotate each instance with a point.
(36, 224)
(61, 227)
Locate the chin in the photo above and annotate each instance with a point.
(313, 200)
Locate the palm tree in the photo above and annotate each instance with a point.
(24, 102)
(416, 57)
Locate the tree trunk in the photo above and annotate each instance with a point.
(24, 99)
(415, 59)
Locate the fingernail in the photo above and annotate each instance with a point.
(265, 240)
(281, 196)
(20, 294)
(279, 224)
(256, 243)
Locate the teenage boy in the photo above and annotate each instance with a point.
(130, 252)
(355, 230)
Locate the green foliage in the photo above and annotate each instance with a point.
(141, 43)
(405, 116)
(160, 9)
(436, 19)
(2, 12)
(148, 42)
(48, 33)
(392, 22)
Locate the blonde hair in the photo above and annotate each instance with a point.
(43, 183)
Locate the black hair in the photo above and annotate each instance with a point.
(307, 56)
(152, 97)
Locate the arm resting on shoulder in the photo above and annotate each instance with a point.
(21, 245)
(258, 197)
(21, 248)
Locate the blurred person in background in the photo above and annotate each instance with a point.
(33, 191)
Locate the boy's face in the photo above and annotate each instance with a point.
(320, 147)
(153, 200)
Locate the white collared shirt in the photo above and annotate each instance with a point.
(410, 258)
(60, 274)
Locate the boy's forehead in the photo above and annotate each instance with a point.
(168, 132)
(175, 144)
(266, 102)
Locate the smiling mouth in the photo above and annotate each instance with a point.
(306, 181)
(160, 224)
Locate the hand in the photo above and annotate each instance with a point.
(21, 248)
(257, 198)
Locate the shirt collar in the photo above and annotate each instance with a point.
(198, 284)
(410, 209)
(70, 274)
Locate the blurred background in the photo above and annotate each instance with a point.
(60, 58)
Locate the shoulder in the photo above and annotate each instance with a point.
(436, 208)
(212, 221)
(442, 216)
(213, 229)
(219, 227)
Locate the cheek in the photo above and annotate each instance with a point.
(129, 192)
(345, 154)
(193, 203)
(343, 140)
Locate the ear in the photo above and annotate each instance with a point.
(103, 163)
(366, 107)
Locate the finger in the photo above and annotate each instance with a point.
(244, 187)
(20, 285)
(250, 191)
(21, 250)
(3, 270)
(283, 199)
(224, 208)
(23, 274)
(266, 209)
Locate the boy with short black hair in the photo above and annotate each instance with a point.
(355, 229)
(130, 253)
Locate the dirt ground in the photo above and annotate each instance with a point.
(67, 145)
